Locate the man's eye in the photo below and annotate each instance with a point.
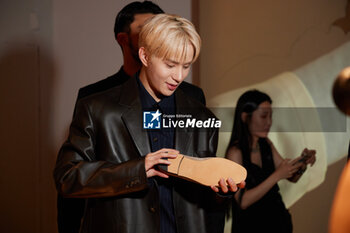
(187, 67)
(170, 65)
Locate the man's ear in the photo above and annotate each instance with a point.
(244, 117)
(143, 55)
(122, 38)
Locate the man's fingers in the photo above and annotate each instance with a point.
(152, 172)
(223, 185)
(167, 155)
(241, 185)
(228, 185)
(214, 188)
(159, 157)
(161, 174)
(162, 161)
(231, 185)
(152, 163)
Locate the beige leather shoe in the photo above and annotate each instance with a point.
(206, 171)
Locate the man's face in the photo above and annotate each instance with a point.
(162, 77)
(135, 28)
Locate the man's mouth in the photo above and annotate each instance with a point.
(172, 87)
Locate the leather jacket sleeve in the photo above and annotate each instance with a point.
(80, 172)
(220, 198)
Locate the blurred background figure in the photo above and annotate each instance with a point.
(259, 207)
(339, 218)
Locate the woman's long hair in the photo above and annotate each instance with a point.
(241, 137)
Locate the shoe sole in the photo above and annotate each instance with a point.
(205, 171)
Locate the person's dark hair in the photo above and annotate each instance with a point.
(126, 16)
(248, 102)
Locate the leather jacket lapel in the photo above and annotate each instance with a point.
(133, 116)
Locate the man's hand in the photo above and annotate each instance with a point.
(158, 157)
(228, 186)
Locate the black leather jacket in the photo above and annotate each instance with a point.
(103, 160)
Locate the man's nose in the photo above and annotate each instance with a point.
(179, 75)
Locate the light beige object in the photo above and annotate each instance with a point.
(206, 171)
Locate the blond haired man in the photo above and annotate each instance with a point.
(112, 160)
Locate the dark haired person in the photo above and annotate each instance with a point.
(128, 24)
(259, 207)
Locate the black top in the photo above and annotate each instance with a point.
(268, 214)
(161, 138)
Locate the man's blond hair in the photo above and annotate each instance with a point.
(169, 37)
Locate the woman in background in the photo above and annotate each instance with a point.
(259, 207)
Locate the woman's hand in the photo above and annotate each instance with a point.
(307, 157)
(287, 168)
